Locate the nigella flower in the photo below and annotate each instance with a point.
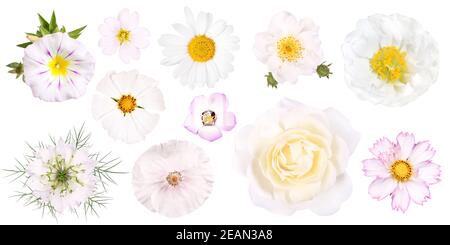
(62, 176)
(173, 178)
(404, 170)
(65, 175)
(57, 67)
(123, 34)
(128, 105)
(390, 59)
(202, 51)
(209, 116)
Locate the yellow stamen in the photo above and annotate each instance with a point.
(389, 63)
(58, 66)
(209, 118)
(127, 104)
(201, 48)
(290, 49)
(401, 170)
(174, 178)
(123, 36)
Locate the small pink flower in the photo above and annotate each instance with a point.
(209, 116)
(403, 170)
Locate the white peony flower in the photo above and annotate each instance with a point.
(296, 157)
(290, 47)
(390, 60)
(57, 67)
(124, 34)
(202, 51)
(62, 176)
(173, 178)
(128, 105)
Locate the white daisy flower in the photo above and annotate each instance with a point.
(173, 178)
(290, 48)
(390, 60)
(202, 51)
(124, 34)
(62, 176)
(128, 105)
(57, 67)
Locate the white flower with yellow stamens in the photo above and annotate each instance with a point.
(57, 67)
(202, 51)
(390, 60)
(128, 105)
(290, 48)
(123, 34)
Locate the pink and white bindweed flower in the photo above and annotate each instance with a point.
(124, 34)
(403, 169)
(209, 116)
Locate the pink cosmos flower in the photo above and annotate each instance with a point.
(209, 116)
(403, 170)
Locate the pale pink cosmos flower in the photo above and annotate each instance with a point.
(209, 116)
(403, 169)
(123, 34)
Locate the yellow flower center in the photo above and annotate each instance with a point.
(174, 178)
(290, 49)
(209, 118)
(123, 36)
(201, 48)
(58, 66)
(401, 170)
(127, 104)
(389, 63)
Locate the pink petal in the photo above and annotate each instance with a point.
(400, 199)
(139, 37)
(375, 168)
(229, 121)
(418, 191)
(210, 133)
(382, 146)
(218, 102)
(381, 188)
(191, 124)
(406, 143)
(421, 152)
(128, 20)
(128, 52)
(429, 173)
(198, 105)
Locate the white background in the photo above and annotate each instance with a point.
(25, 118)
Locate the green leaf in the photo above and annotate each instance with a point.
(53, 26)
(44, 23)
(63, 29)
(76, 33)
(44, 31)
(24, 45)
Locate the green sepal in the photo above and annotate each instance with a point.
(24, 45)
(76, 33)
(16, 68)
(271, 82)
(53, 26)
(323, 70)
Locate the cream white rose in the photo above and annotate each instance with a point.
(296, 157)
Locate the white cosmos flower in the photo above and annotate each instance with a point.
(296, 158)
(390, 60)
(62, 176)
(58, 67)
(128, 105)
(290, 47)
(123, 34)
(173, 178)
(201, 51)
